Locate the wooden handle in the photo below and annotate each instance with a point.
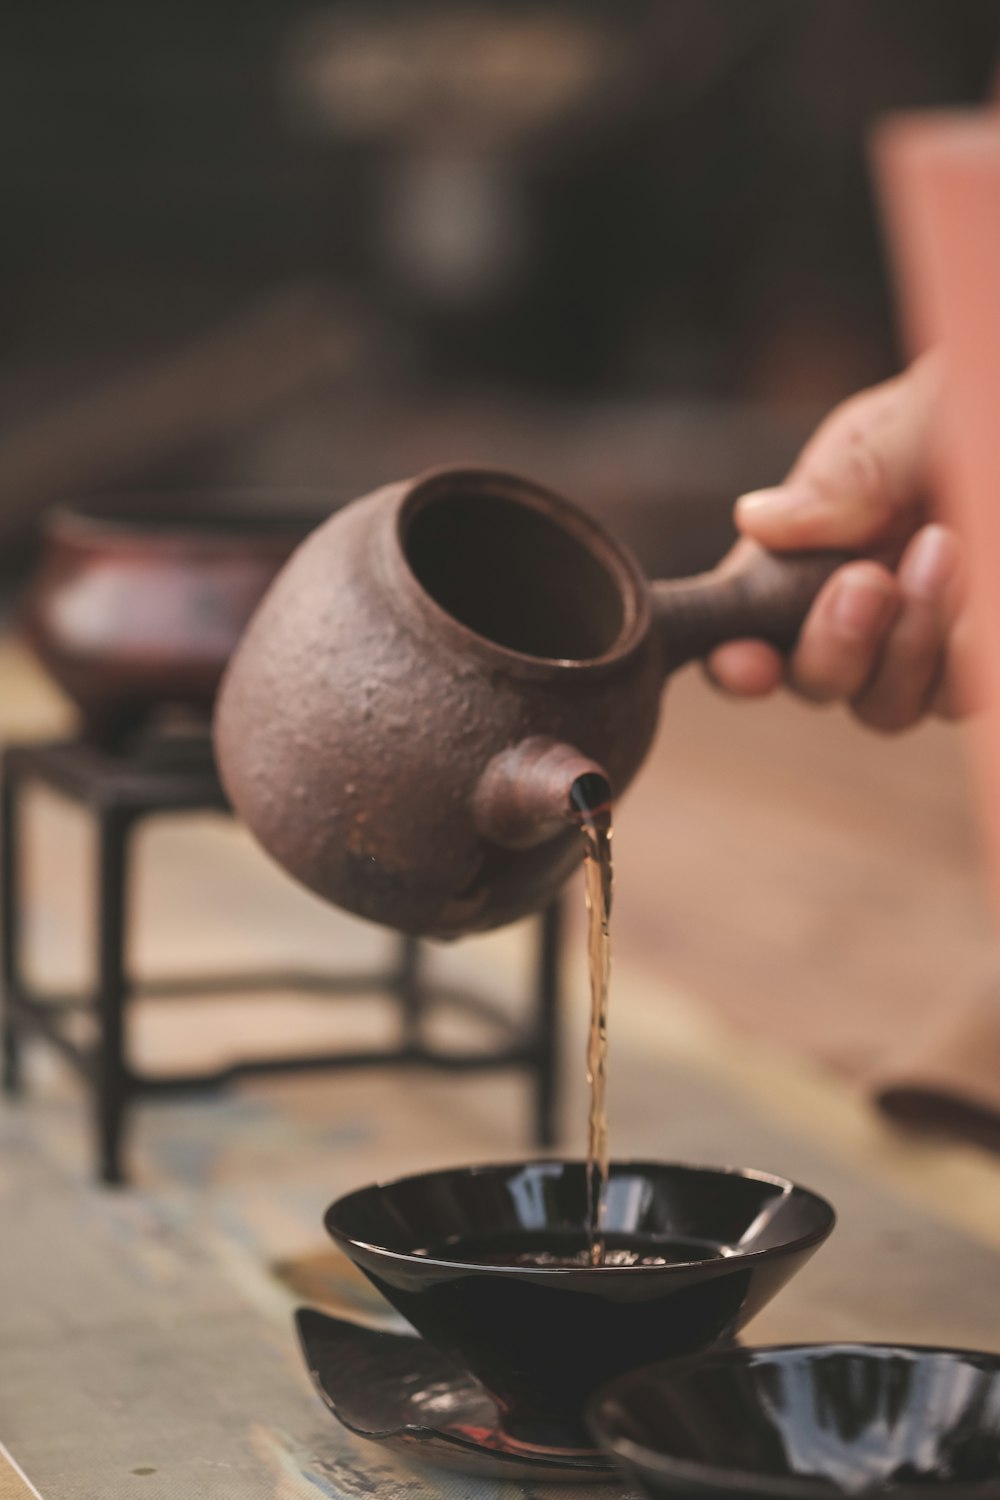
(760, 595)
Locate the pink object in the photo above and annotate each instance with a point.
(940, 180)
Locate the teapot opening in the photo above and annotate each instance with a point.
(505, 569)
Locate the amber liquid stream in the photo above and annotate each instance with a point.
(595, 822)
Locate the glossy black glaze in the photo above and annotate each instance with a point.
(398, 1391)
(541, 1339)
(809, 1421)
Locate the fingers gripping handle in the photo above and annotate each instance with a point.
(761, 595)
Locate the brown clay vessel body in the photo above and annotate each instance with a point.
(434, 670)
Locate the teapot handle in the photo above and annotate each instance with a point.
(759, 594)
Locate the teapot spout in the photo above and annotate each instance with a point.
(533, 789)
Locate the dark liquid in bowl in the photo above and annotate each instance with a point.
(571, 1249)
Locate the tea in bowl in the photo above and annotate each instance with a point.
(492, 1265)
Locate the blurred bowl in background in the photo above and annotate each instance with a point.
(140, 598)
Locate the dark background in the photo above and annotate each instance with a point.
(631, 245)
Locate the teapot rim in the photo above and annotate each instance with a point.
(611, 554)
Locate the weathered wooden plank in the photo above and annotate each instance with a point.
(147, 1340)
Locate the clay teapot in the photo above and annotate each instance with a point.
(411, 714)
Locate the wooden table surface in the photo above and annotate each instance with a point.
(146, 1334)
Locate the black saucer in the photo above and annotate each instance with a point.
(809, 1422)
(398, 1391)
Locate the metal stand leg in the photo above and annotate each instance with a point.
(9, 900)
(410, 993)
(110, 1073)
(547, 1026)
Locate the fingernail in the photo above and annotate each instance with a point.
(862, 603)
(930, 564)
(781, 501)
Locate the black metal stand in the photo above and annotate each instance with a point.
(173, 775)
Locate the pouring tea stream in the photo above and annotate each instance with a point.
(444, 692)
(437, 668)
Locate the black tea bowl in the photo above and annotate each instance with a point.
(809, 1422)
(490, 1265)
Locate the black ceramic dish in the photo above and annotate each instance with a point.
(809, 1422)
(541, 1338)
(394, 1389)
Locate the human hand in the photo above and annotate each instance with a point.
(884, 642)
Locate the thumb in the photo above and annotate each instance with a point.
(862, 477)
